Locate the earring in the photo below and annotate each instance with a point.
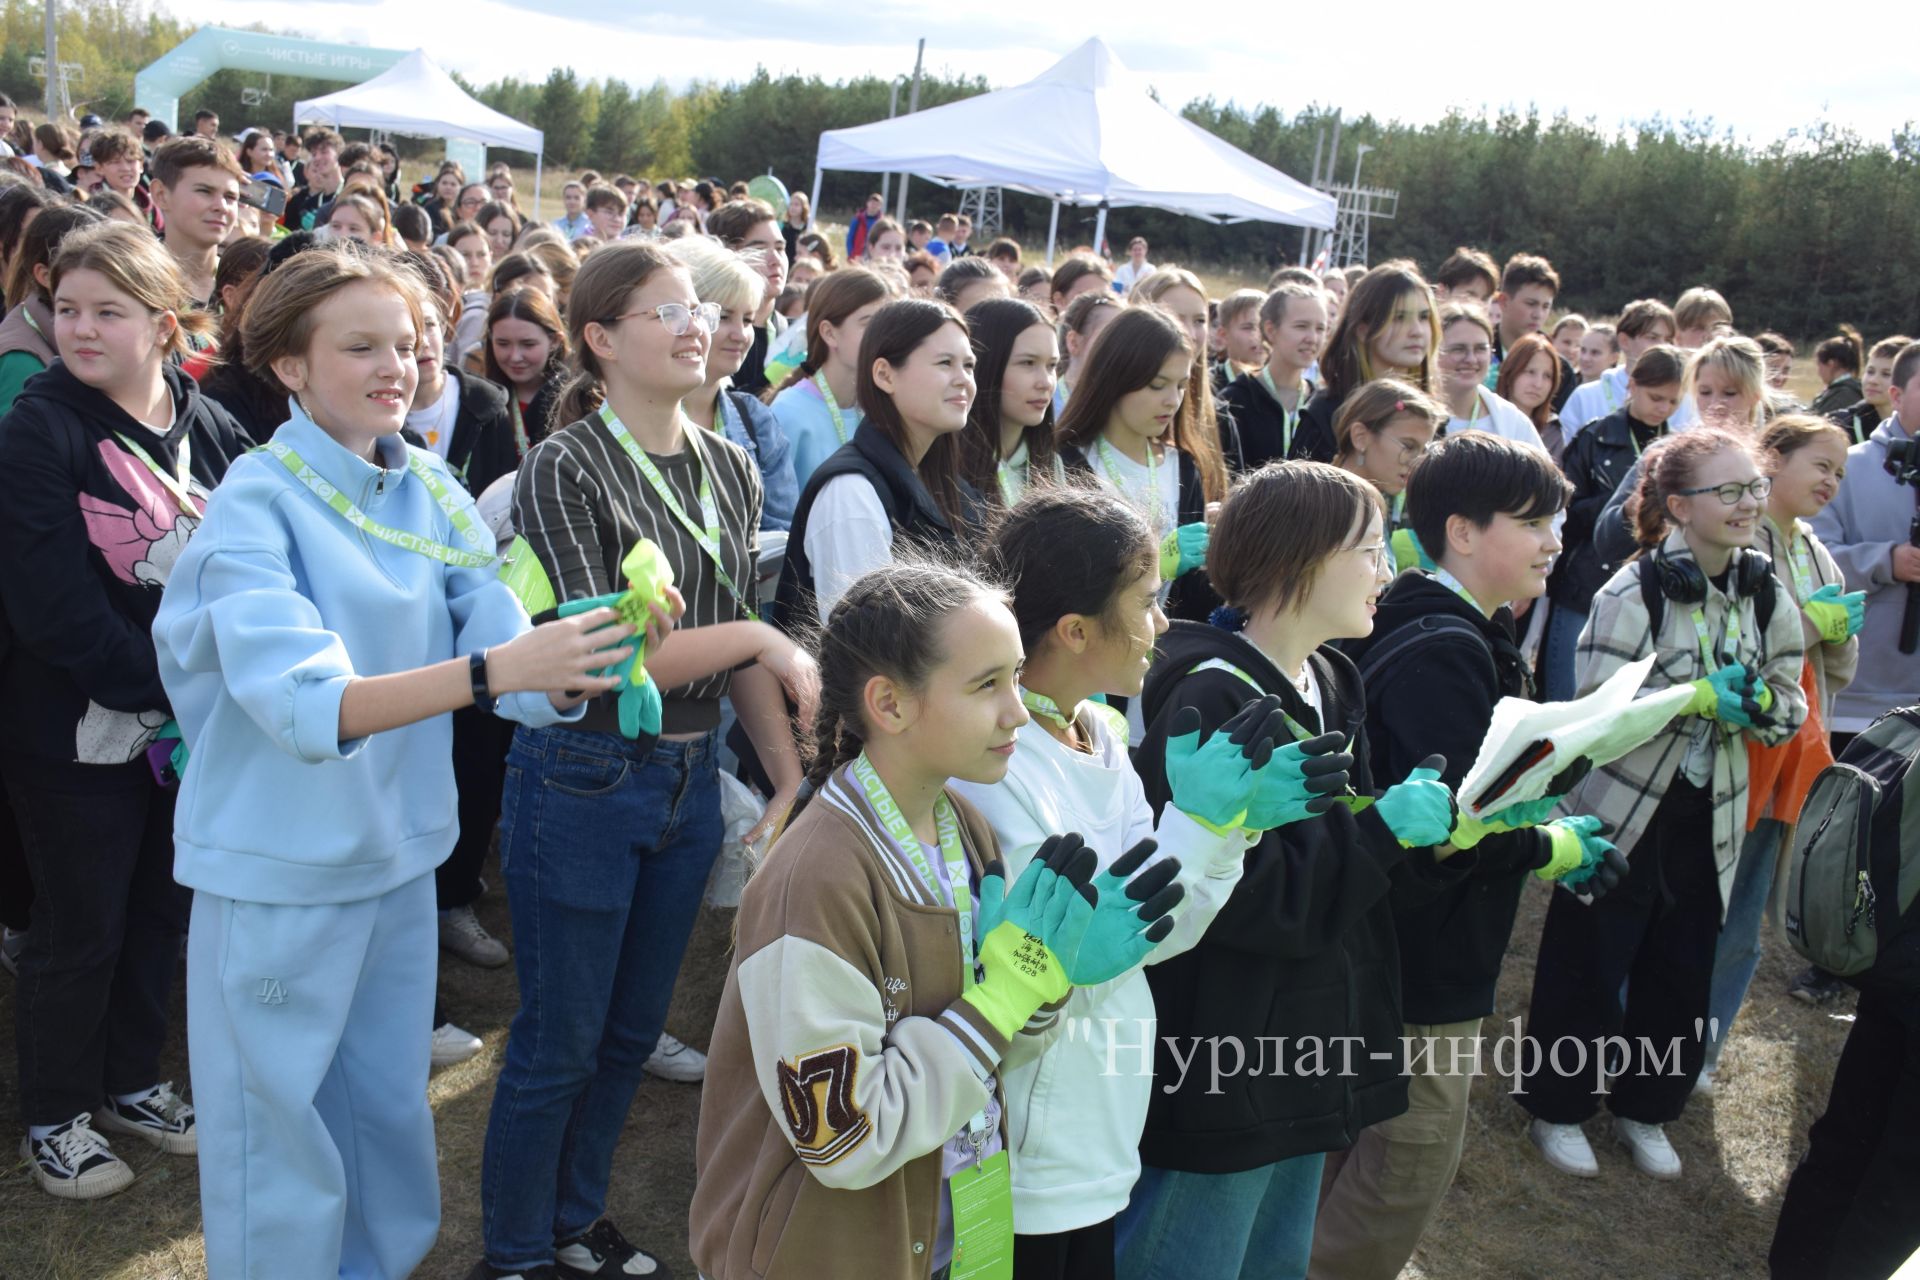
(1361, 457)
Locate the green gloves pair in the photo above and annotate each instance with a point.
(1469, 831)
(648, 576)
(1735, 694)
(1420, 810)
(1301, 781)
(1241, 777)
(1061, 927)
(1579, 857)
(1183, 550)
(1837, 615)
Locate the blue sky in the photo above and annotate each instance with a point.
(1405, 60)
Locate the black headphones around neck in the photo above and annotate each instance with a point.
(1683, 581)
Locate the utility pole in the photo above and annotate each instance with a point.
(913, 105)
(53, 63)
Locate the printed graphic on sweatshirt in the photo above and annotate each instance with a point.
(816, 1093)
(140, 546)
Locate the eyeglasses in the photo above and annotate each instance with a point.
(1461, 351)
(1376, 554)
(1730, 492)
(677, 317)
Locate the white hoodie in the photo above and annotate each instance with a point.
(1073, 1124)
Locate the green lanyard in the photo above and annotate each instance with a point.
(1799, 556)
(1299, 731)
(520, 444)
(833, 406)
(1730, 643)
(1049, 710)
(1859, 436)
(416, 465)
(951, 853)
(1288, 421)
(1606, 389)
(1453, 584)
(706, 534)
(1108, 463)
(179, 486)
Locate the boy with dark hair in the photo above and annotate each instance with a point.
(320, 180)
(1528, 286)
(1442, 653)
(606, 212)
(206, 124)
(1004, 253)
(1467, 275)
(1643, 325)
(195, 185)
(118, 157)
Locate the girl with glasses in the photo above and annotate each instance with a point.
(1466, 355)
(1379, 433)
(609, 828)
(1677, 805)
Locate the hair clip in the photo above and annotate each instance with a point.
(1399, 406)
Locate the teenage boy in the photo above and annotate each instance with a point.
(206, 124)
(573, 223)
(606, 211)
(1528, 286)
(196, 187)
(1700, 314)
(1442, 653)
(120, 161)
(945, 228)
(1644, 324)
(957, 245)
(861, 222)
(322, 182)
(1467, 275)
(1004, 253)
(750, 227)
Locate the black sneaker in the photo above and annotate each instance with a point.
(602, 1253)
(159, 1116)
(75, 1163)
(1816, 986)
(483, 1270)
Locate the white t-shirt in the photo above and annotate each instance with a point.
(1501, 417)
(1125, 277)
(1133, 481)
(848, 533)
(434, 424)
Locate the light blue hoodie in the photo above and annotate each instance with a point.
(275, 606)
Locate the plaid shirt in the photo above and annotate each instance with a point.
(1625, 793)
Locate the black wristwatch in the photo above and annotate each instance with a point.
(482, 694)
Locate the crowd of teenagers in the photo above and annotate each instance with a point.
(1107, 656)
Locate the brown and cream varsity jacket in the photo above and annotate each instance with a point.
(843, 1058)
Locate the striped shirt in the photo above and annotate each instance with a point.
(582, 503)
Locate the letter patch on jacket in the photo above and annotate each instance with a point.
(816, 1092)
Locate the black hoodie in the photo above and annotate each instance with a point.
(1595, 463)
(1437, 697)
(87, 537)
(1304, 949)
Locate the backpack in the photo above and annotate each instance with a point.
(1381, 655)
(1855, 867)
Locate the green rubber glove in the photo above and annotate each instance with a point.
(1213, 783)
(1131, 916)
(1050, 905)
(1579, 856)
(1420, 810)
(1743, 697)
(1183, 550)
(1837, 615)
(648, 576)
(1470, 831)
(1300, 781)
(1059, 855)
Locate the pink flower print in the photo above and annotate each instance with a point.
(126, 537)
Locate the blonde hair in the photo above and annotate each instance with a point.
(719, 275)
(279, 319)
(1700, 308)
(1742, 361)
(1196, 429)
(133, 261)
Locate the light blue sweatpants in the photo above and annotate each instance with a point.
(307, 1036)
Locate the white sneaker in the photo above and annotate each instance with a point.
(75, 1163)
(1565, 1147)
(160, 1116)
(453, 1044)
(462, 933)
(675, 1061)
(1703, 1084)
(1653, 1155)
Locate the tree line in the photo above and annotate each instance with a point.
(1816, 228)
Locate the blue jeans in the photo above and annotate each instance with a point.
(1256, 1225)
(1563, 643)
(1738, 953)
(605, 848)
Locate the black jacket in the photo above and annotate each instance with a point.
(910, 509)
(87, 538)
(482, 448)
(1843, 392)
(1858, 420)
(1313, 440)
(1595, 463)
(1250, 411)
(1437, 696)
(1192, 595)
(1304, 948)
(255, 406)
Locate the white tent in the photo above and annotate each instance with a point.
(418, 97)
(1086, 131)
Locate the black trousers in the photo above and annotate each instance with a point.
(1085, 1253)
(105, 936)
(1656, 933)
(480, 743)
(16, 882)
(1852, 1210)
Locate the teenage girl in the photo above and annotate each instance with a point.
(1387, 327)
(886, 243)
(851, 1120)
(1530, 381)
(726, 281)
(356, 217)
(899, 479)
(1466, 358)
(110, 454)
(1599, 352)
(526, 352)
(311, 968)
(1876, 402)
(26, 335)
(1122, 431)
(1838, 361)
(607, 840)
(1677, 805)
(816, 405)
(1199, 428)
(1567, 333)
(1381, 431)
(1008, 445)
(1265, 405)
(1597, 463)
(501, 225)
(1085, 576)
(1806, 458)
(1305, 946)
(1080, 273)
(1080, 324)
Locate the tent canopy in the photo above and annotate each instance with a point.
(417, 97)
(1084, 132)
